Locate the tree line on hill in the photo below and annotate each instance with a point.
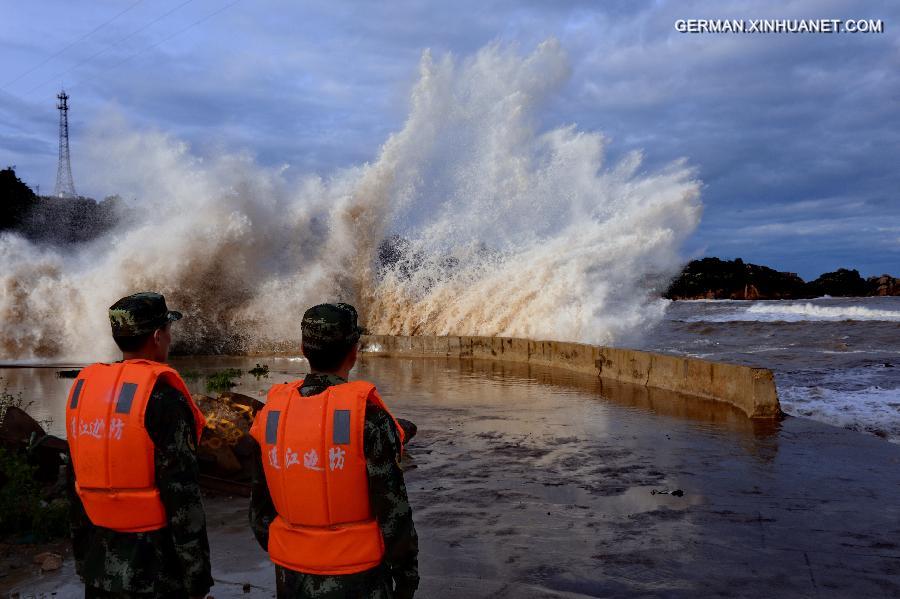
(50, 219)
(712, 278)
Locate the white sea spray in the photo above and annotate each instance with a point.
(503, 229)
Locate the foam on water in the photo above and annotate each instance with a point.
(838, 363)
(508, 229)
(864, 398)
(873, 409)
(796, 312)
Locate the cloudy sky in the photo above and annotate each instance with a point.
(796, 137)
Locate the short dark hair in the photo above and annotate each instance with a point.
(329, 357)
(131, 344)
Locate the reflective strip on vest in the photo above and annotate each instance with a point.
(112, 454)
(315, 467)
(76, 392)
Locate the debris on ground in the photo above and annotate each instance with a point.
(48, 561)
(226, 448)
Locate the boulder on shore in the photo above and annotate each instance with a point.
(18, 431)
(225, 450)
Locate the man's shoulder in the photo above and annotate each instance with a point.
(165, 392)
(380, 432)
(377, 415)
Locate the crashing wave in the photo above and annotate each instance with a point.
(507, 230)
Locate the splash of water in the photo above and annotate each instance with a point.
(503, 230)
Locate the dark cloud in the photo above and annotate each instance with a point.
(794, 136)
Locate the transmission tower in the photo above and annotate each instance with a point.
(65, 187)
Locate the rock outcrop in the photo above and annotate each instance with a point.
(840, 283)
(712, 278)
(883, 285)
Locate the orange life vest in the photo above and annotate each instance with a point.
(112, 454)
(315, 466)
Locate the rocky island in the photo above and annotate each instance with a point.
(712, 278)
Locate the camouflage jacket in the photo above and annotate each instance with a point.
(170, 562)
(398, 576)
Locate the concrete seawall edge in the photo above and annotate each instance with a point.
(751, 390)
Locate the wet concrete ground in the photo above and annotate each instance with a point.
(531, 482)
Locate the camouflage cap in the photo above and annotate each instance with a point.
(140, 314)
(328, 325)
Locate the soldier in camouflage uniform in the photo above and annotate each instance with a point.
(172, 562)
(333, 327)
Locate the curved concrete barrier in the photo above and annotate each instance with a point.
(752, 390)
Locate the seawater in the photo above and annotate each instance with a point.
(836, 370)
(836, 360)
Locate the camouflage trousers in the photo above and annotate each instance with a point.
(372, 584)
(95, 593)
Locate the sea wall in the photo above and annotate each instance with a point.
(752, 390)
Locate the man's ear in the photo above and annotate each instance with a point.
(353, 355)
(156, 335)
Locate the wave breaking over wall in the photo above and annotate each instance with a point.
(494, 228)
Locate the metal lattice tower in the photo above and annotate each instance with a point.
(65, 187)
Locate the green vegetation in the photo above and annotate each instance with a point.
(54, 220)
(17, 200)
(221, 381)
(260, 371)
(25, 511)
(8, 400)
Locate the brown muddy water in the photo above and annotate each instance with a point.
(528, 482)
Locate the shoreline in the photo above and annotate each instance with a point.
(529, 481)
